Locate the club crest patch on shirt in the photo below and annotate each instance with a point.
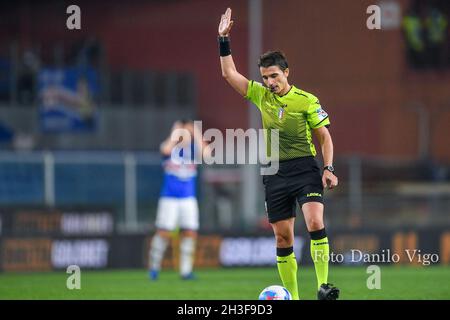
(280, 113)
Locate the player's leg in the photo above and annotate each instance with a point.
(187, 254)
(166, 222)
(310, 198)
(286, 260)
(313, 213)
(189, 224)
(157, 249)
(280, 209)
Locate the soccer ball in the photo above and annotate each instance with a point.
(275, 293)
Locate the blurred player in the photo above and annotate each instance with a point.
(177, 206)
(295, 113)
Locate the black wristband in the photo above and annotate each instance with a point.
(224, 46)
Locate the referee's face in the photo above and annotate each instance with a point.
(275, 79)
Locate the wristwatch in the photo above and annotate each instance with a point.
(329, 168)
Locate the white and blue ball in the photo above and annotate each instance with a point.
(275, 293)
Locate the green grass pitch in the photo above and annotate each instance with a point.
(403, 283)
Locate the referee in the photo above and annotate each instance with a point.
(295, 114)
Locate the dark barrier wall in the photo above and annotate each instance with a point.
(40, 240)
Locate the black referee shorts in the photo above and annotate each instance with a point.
(297, 180)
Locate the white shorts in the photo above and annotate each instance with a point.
(177, 212)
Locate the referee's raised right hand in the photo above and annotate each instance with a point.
(225, 24)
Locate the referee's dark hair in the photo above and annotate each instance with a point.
(273, 58)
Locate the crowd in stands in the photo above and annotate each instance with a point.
(425, 28)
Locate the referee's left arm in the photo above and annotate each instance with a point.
(329, 180)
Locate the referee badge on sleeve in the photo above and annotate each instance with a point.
(321, 113)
